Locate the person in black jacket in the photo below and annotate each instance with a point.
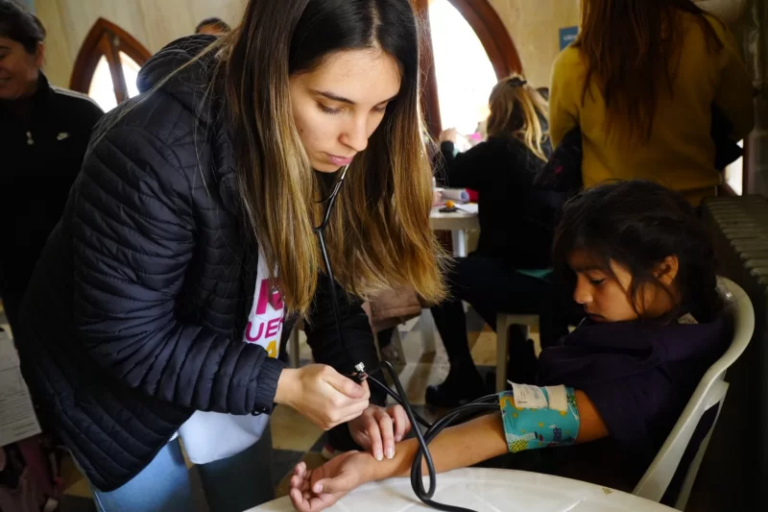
(44, 132)
(508, 272)
(189, 234)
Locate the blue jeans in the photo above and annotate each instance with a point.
(235, 484)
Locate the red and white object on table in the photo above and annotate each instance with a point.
(459, 195)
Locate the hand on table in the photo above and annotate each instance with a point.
(318, 489)
(378, 429)
(322, 394)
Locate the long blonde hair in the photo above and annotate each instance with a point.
(515, 109)
(379, 234)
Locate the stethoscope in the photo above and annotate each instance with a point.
(480, 407)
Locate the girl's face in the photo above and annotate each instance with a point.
(339, 105)
(605, 297)
(19, 71)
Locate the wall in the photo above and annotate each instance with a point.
(534, 26)
(153, 23)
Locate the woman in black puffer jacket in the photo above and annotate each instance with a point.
(188, 236)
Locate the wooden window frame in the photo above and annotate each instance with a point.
(109, 40)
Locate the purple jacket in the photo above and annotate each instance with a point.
(640, 375)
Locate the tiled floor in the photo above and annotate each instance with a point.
(295, 438)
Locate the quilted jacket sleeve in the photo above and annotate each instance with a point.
(323, 337)
(133, 239)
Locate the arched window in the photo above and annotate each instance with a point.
(469, 51)
(492, 33)
(108, 64)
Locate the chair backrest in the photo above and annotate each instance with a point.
(709, 393)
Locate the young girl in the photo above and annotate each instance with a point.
(497, 277)
(643, 270)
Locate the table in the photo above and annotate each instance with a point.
(488, 490)
(458, 224)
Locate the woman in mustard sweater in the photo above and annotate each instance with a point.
(641, 83)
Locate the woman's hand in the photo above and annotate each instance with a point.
(378, 429)
(322, 394)
(449, 135)
(318, 489)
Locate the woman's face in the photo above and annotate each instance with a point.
(19, 70)
(339, 105)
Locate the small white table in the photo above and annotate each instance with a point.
(488, 490)
(458, 224)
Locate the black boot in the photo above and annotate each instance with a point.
(462, 385)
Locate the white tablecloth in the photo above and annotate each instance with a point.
(488, 490)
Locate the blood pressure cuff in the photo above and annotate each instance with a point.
(539, 417)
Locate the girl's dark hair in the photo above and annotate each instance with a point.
(637, 224)
(17, 24)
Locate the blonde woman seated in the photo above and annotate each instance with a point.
(507, 273)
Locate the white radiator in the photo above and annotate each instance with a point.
(734, 475)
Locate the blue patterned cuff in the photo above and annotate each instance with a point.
(537, 417)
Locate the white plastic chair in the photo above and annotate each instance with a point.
(709, 393)
(503, 322)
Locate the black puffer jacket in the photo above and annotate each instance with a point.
(136, 312)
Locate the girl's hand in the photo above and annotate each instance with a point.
(318, 489)
(378, 429)
(322, 394)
